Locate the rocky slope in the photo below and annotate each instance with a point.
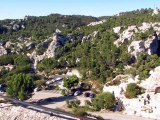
(136, 106)
(9, 112)
(148, 45)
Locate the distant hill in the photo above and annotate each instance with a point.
(42, 26)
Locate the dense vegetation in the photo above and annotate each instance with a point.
(21, 63)
(42, 27)
(97, 57)
(20, 86)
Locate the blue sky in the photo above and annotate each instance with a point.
(20, 8)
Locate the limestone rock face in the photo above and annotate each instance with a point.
(150, 46)
(2, 51)
(56, 42)
(126, 35)
(136, 47)
(145, 27)
(96, 23)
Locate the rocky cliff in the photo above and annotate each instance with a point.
(127, 36)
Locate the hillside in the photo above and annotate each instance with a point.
(110, 50)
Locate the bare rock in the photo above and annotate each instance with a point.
(155, 11)
(126, 35)
(96, 23)
(9, 112)
(117, 29)
(2, 51)
(136, 47)
(150, 46)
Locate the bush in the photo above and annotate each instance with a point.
(103, 101)
(73, 103)
(132, 90)
(63, 92)
(40, 83)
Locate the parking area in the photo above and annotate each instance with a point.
(54, 99)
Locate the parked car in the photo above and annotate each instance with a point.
(92, 95)
(88, 94)
(78, 92)
(70, 94)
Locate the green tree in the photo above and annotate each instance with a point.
(71, 82)
(20, 86)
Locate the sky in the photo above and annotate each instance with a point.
(17, 9)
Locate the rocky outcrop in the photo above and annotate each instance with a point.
(57, 41)
(136, 47)
(2, 51)
(143, 105)
(74, 72)
(155, 12)
(96, 23)
(88, 37)
(117, 29)
(126, 35)
(149, 46)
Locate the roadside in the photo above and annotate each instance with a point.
(54, 99)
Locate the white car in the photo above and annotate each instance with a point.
(77, 93)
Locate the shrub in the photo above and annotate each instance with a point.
(132, 90)
(103, 101)
(79, 112)
(73, 103)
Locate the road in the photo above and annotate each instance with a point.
(69, 116)
(54, 112)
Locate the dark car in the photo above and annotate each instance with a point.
(86, 94)
(92, 95)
